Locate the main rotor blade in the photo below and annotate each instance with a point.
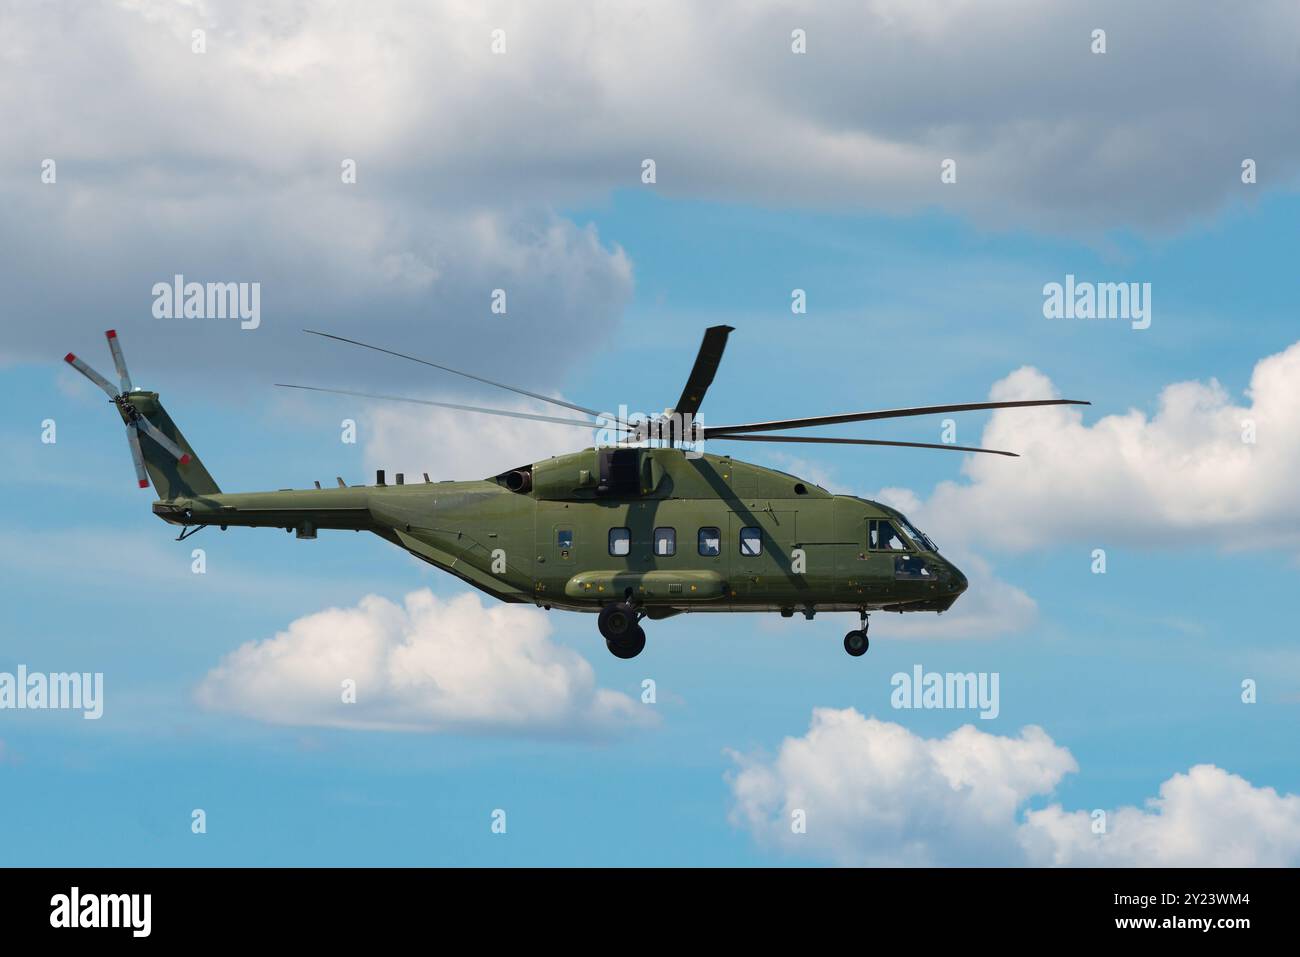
(711, 431)
(705, 368)
(133, 439)
(90, 374)
(172, 449)
(467, 375)
(453, 405)
(822, 440)
(118, 360)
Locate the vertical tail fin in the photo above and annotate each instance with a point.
(172, 476)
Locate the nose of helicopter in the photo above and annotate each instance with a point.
(957, 581)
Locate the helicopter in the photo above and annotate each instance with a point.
(643, 528)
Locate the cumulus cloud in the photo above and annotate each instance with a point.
(873, 793)
(1203, 468)
(417, 276)
(425, 665)
(1206, 816)
(876, 794)
(1043, 129)
(226, 165)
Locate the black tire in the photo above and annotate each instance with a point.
(629, 646)
(616, 621)
(856, 643)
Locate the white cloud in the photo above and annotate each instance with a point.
(413, 275)
(1181, 475)
(225, 165)
(876, 794)
(583, 93)
(1204, 817)
(427, 665)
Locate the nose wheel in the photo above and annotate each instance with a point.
(856, 643)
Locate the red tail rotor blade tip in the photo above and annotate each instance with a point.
(69, 357)
(111, 333)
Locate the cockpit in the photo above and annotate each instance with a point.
(883, 535)
(916, 557)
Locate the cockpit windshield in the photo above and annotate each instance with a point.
(916, 535)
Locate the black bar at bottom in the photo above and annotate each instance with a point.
(332, 906)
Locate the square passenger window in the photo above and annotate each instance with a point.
(710, 540)
(751, 541)
(665, 542)
(620, 541)
(564, 538)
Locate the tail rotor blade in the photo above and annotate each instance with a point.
(171, 447)
(116, 348)
(133, 440)
(91, 374)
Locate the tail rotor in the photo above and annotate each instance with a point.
(135, 420)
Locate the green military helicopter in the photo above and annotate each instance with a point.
(648, 527)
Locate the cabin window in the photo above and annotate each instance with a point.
(710, 541)
(564, 538)
(751, 541)
(665, 542)
(883, 537)
(620, 541)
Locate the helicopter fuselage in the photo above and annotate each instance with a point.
(667, 532)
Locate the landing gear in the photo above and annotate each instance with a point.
(629, 646)
(616, 621)
(618, 624)
(856, 643)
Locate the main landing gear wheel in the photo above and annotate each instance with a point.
(616, 621)
(623, 636)
(629, 646)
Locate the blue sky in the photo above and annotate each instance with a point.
(1136, 673)
(1121, 669)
